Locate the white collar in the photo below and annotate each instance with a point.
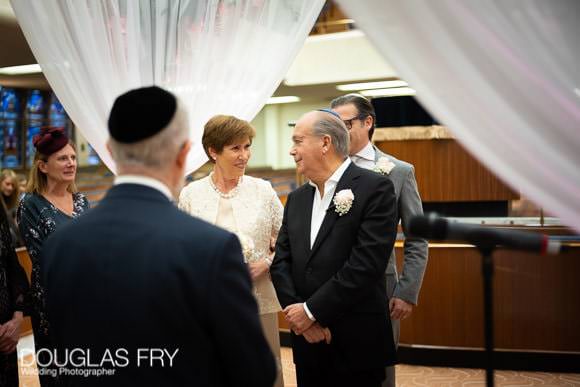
(146, 181)
(367, 153)
(337, 175)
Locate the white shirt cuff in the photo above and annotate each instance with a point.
(308, 313)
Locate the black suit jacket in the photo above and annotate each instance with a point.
(341, 278)
(136, 272)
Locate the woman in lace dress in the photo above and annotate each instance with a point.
(244, 205)
(51, 200)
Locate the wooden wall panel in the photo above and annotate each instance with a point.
(26, 263)
(536, 302)
(446, 172)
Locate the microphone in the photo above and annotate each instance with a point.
(434, 227)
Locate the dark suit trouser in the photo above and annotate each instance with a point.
(390, 371)
(326, 377)
(9, 370)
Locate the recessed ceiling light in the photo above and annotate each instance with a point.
(394, 92)
(371, 85)
(24, 69)
(283, 99)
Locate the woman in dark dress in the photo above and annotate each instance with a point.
(51, 200)
(13, 287)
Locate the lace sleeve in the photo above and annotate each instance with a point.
(184, 201)
(276, 212)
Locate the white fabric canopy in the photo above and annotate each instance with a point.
(504, 76)
(219, 56)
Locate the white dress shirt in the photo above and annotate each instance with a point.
(146, 181)
(365, 158)
(320, 205)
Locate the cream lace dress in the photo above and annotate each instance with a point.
(253, 210)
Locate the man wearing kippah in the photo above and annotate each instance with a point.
(329, 266)
(359, 117)
(143, 291)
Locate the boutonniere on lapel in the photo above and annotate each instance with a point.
(384, 166)
(343, 201)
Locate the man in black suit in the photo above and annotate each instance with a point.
(330, 260)
(140, 289)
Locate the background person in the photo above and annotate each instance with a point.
(359, 117)
(13, 287)
(51, 201)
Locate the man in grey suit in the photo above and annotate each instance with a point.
(359, 117)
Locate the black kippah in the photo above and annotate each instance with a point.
(330, 112)
(141, 113)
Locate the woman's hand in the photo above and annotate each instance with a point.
(257, 269)
(10, 333)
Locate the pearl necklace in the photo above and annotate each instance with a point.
(228, 195)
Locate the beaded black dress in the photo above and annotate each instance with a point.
(37, 219)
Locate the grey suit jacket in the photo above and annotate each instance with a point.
(415, 250)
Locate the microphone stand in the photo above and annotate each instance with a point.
(487, 272)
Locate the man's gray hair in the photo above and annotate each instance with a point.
(156, 151)
(329, 125)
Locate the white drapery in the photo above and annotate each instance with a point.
(218, 56)
(504, 76)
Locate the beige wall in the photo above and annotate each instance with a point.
(273, 135)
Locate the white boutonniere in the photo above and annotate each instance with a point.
(343, 201)
(384, 166)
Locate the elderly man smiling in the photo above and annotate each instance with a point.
(330, 260)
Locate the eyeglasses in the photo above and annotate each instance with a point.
(348, 123)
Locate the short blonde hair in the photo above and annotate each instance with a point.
(37, 180)
(222, 130)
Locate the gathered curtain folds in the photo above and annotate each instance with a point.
(218, 56)
(504, 76)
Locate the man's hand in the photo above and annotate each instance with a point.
(10, 334)
(297, 318)
(317, 333)
(400, 309)
(257, 269)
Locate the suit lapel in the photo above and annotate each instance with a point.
(347, 181)
(307, 200)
